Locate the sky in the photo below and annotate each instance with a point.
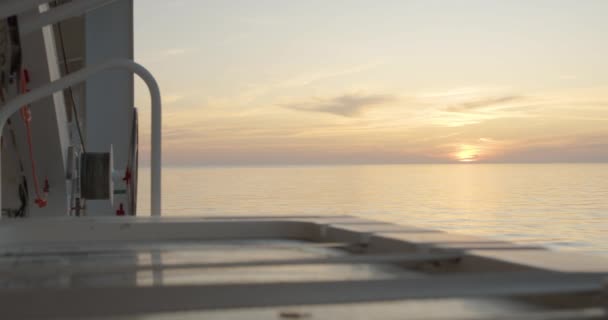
(348, 82)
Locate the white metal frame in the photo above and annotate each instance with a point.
(13, 106)
(11, 8)
(61, 13)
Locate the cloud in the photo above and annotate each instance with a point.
(150, 57)
(483, 103)
(348, 105)
(175, 51)
(309, 78)
(581, 148)
(171, 98)
(262, 89)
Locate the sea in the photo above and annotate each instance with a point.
(560, 206)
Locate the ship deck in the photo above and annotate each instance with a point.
(290, 267)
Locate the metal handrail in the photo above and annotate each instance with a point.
(9, 108)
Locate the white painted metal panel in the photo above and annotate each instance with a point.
(109, 96)
(50, 135)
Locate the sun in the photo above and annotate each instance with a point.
(467, 153)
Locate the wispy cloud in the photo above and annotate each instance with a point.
(485, 102)
(301, 80)
(470, 105)
(175, 51)
(580, 148)
(171, 98)
(348, 105)
(319, 75)
(157, 56)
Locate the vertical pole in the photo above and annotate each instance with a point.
(156, 152)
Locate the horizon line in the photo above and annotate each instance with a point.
(470, 163)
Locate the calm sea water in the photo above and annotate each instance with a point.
(562, 206)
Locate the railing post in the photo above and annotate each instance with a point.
(81, 75)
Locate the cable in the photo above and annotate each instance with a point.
(27, 119)
(23, 196)
(23, 191)
(70, 92)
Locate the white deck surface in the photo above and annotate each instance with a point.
(158, 263)
(282, 268)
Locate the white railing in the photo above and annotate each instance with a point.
(69, 80)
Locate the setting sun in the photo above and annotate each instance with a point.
(467, 153)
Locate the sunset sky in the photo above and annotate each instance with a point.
(325, 82)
